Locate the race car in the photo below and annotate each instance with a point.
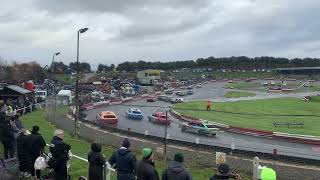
(134, 113)
(107, 118)
(199, 127)
(159, 118)
(151, 99)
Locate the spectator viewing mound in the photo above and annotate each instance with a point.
(287, 115)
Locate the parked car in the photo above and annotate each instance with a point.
(105, 118)
(168, 92)
(165, 98)
(190, 87)
(199, 127)
(198, 86)
(159, 118)
(181, 93)
(162, 97)
(189, 92)
(177, 100)
(134, 113)
(151, 99)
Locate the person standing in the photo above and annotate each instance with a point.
(209, 105)
(176, 170)
(223, 173)
(146, 167)
(124, 162)
(6, 136)
(96, 162)
(60, 155)
(23, 152)
(38, 144)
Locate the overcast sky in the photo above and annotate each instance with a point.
(157, 30)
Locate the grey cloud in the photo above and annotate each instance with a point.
(114, 6)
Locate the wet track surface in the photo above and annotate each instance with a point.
(223, 139)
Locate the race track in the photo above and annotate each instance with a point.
(223, 139)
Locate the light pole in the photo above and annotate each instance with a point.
(54, 86)
(52, 64)
(52, 69)
(77, 115)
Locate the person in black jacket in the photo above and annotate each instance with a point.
(124, 162)
(223, 173)
(60, 155)
(6, 136)
(146, 167)
(176, 170)
(37, 144)
(23, 152)
(96, 162)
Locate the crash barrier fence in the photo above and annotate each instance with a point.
(91, 106)
(312, 140)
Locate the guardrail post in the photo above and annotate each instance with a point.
(256, 165)
(107, 171)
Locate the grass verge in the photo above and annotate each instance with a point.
(233, 113)
(237, 94)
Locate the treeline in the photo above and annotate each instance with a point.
(20, 72)
(233, 63)
(60, 67)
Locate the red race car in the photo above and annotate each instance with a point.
(159, 118)
(105, 118)
(151, 99)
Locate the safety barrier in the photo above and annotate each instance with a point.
(312, 140)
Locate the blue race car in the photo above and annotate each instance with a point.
(134, 113)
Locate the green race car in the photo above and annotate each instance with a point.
(199, 127)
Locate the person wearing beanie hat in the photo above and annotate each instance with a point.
(146, 167)
(268, 174)
(124, 161)
(223, 173)
(176, 170)
(96, 162)
(37, 143)
(126, 143)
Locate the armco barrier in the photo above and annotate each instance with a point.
(312, 140)
(249, 131)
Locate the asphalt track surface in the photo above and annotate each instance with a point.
(213, 91)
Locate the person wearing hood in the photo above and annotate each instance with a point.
(176, 170)
(146, 167)
(37, 144)
(124, 162)
(96, 162)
